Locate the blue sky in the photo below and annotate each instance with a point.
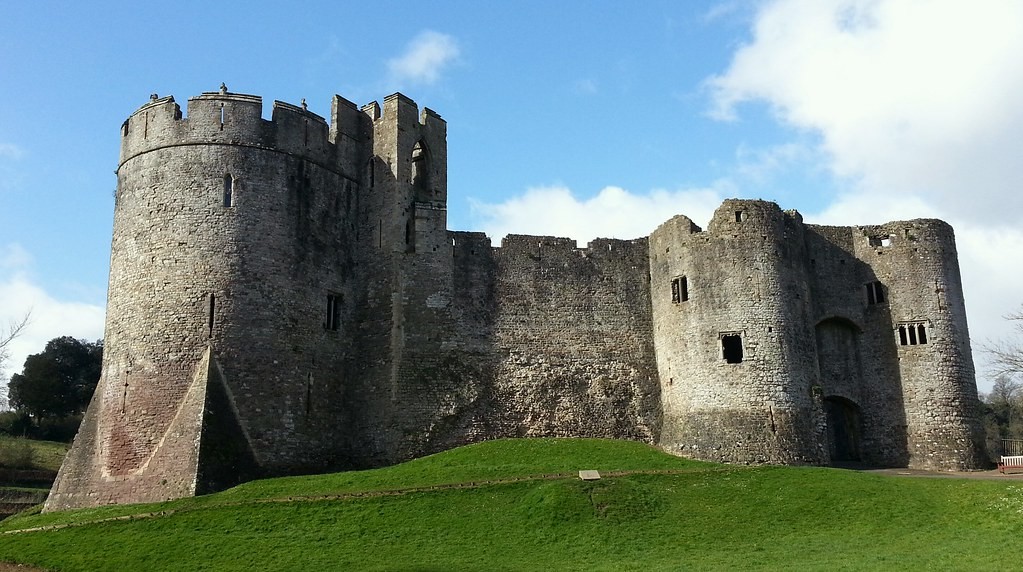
(579, 119)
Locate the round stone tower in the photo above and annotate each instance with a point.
(733, 353)
(230, 233)
(917, 267)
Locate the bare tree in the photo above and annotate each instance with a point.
(1007, 354)
(14, 329)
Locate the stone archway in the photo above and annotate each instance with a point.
(843, 429)
(841, 375)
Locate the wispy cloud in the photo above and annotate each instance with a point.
(424, 59)
(11, 151)
(612, 213)
(585, 86)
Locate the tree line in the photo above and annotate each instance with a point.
(49, 396)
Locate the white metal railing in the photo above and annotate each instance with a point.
(1012, 447)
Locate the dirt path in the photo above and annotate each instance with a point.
(992, 475)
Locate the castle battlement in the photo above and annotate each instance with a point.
(285, 297)
(225, 118)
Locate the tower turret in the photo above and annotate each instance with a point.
(730, 308)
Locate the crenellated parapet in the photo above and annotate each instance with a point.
(234, 119)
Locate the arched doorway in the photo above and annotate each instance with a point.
(843, 429)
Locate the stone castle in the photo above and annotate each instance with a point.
(285, 297)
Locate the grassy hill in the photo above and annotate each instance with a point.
(502, 505)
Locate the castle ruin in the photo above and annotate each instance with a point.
(285, 297)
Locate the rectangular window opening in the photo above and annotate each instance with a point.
(912, 333)
(875, 293)
(731, 348)
(679, 289)
(738, 216)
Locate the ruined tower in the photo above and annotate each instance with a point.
(285, 297)
(782, 342)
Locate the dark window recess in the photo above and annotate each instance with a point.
(731, 348)
(228, 190)
(882, 241)
(332, 319)
(679, 289)
(738, 216)
(875, 293)
(213, 312)
(410, 235)
(914, 334)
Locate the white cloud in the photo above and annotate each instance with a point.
(916, 105)
(424, 59)
(50, 317)
(612, 213)
(909, 96)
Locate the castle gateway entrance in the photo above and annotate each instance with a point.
(843, 429)
(838, 360)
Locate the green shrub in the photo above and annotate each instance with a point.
(15, 423)
(62, 429)
(16, 454)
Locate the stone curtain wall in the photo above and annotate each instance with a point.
(572, 336)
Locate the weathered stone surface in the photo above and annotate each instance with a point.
(285, 297)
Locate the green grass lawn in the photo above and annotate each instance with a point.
(698, 516)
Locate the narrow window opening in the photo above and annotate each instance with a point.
(875, 293)
(305, 134)
(731, 348)
(679, 290)
(213, 312)
(738, 216)
(308, 393)
(380, 233)
(332, 319)
(921, 333)
(145, 126)
(124, 396)
(420, 176)
(124, 128)
(228, 190)
(221, 116)
(912, 335)
(903, 340)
